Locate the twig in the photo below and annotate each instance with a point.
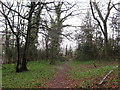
(107, 75)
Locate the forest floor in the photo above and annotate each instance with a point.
(84, 75)
(69, 74)
(39, 73)
(89, 76)
(61, 80)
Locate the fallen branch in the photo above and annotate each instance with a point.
(101, 82)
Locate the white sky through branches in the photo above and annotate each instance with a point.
(83, 6)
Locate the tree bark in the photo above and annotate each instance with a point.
(47, 50)
(18, 59)
(106, 44)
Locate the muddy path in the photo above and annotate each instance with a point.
(61, 79)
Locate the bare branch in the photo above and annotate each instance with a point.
(98, 10)
(10, 8)
(96, 18)
(9, 23)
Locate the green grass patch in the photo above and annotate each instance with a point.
(86, 73)
(77, 63)
(90, 73)
(116, 80)
(39, 72)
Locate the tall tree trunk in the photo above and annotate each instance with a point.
(53, 52)
(24, 59)
(18, 59)
(106, 47)
(106, 44)
(7, 58)
(47, 53)
(54, 48)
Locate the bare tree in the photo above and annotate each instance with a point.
(102, 21)
(17, 13)
(12, 26)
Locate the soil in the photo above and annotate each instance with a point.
(61, 80)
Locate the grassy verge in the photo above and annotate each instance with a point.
(38, 74)
(87, 75)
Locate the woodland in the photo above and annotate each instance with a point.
(59, 44)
